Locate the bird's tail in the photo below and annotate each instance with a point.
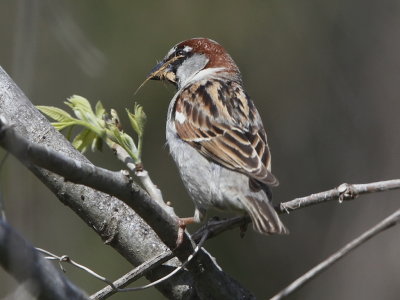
(264, 217)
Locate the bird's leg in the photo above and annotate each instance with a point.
(183, 222)
(199, 215)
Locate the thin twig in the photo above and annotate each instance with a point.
(343, 192)
(196, 250)
(216, 227)
(388, 222)
(133, 275)
(151, 188)
(67, 259)
(128, 278)
(143, 175)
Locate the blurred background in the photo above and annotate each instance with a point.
(325, 76)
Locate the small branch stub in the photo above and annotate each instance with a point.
(346, 192)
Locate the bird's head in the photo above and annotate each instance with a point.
(192, 60)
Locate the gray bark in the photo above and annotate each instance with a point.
(116, 223)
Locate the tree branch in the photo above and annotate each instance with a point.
(142, 174)
(28, 267)
(118, 226)
(67, 259)
(141, 270)
(118, 184)
(133, 275)
(343, 192)
(109, 217)
(388, 222)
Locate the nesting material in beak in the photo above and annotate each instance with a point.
(161, 72)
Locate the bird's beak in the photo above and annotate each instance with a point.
(156, 72)
(162, 71)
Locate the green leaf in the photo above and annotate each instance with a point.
(78, 102)
(129, 143)
(96, 127)
(115, 119)
(122, 139)
(97, 144)
(82, 109)
(137, 119)
(69, 132)
(87, 117)
(84, 140)
(62, 125)
(99, 110)
(55, 113)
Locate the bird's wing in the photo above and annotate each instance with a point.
(221, 122)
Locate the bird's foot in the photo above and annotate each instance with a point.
(183, 222)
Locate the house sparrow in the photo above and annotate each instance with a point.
(216, 136)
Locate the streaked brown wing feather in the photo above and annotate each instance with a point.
(222, 123)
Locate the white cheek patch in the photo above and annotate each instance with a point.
(205, 73)
(180, 117)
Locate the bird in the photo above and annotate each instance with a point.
(216, 136)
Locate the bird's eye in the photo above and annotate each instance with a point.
(180, 52)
